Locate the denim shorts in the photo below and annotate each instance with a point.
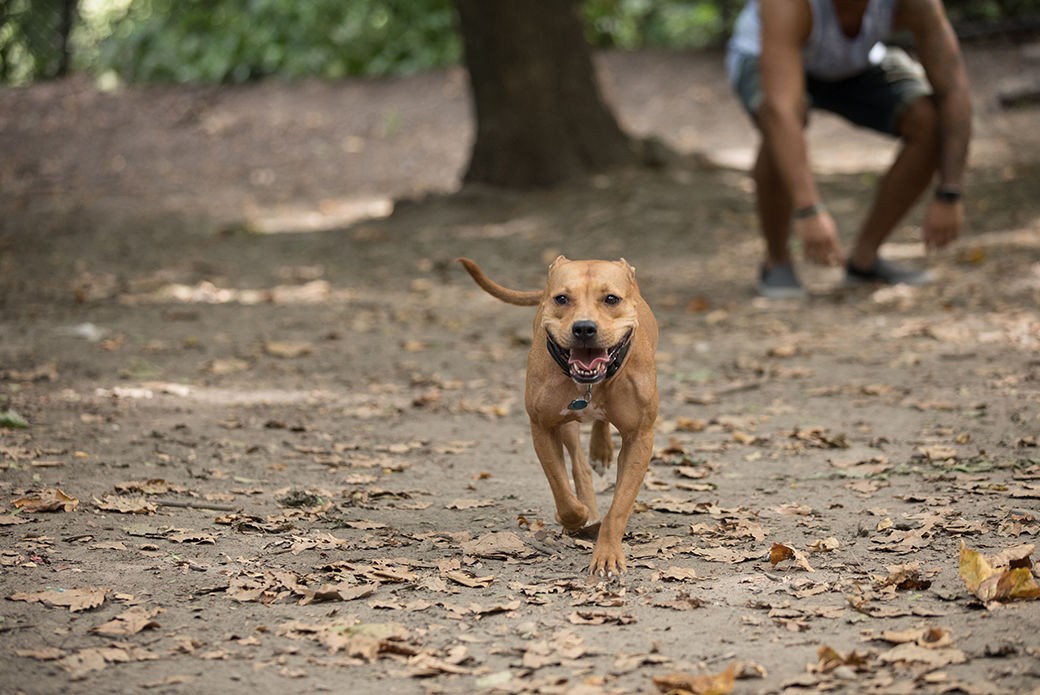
(875, 98)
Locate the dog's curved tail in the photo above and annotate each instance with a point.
(497, 291)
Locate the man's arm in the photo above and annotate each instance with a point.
(940, 54)
(785, 27)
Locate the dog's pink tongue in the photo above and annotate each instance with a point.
(588, 358)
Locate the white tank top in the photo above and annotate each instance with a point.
(828, 54)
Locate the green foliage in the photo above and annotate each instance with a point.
(239, 40)
(11, 419)
(30, 46)
(672, 24)
(990, 11)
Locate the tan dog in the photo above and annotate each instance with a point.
(592, 360)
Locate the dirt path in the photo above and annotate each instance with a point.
(301, 461)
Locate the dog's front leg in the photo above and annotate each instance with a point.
(634, 458)
(548, 445)
(581, 471)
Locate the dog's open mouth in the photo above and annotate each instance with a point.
(587, 365)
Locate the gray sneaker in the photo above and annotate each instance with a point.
(779, 282)
(887, 273)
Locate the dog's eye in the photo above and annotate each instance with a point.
(612, 299)
(561, 300)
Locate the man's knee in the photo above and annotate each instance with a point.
(920, 121)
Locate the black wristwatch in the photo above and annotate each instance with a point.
(948, 195)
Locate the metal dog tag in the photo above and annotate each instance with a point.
(582, 403)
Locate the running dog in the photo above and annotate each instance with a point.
(592, 360)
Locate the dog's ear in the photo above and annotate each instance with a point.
(560, 260)
(631, 271)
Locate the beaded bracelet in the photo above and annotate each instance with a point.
(805, 213)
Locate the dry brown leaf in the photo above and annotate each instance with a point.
(497, 545)
(781, 552)
(794, 510)
(45, 654)
(600, 618)
(730, 556)
(918, 656)
(830, 659)
(685, 424)
(930, 638)
(130, 622)
(468, 504)
(719, 684)
(1001, 577)
(906, 577)
(288, 349)
(84, 661)
(155, 486)
(467, 579)
(75, 599)
(679, 574)
(125, 504)
(223, 367)
(824, 545)
(52, 500)
(937, 452)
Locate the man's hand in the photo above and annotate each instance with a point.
(819, 236)
(942, 223)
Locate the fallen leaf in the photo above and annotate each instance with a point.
(130, 622)
(697, 685)
(288, 349)
(781, 552)
(125, 504)
(794, 510)
(468, 504)
(931, 659)
(823, 545)
(497, 545)
(830, 659)
(52, 500)
(1001, 577)
(937, 452)
(467, 579)
(75, 599)
(600, 618)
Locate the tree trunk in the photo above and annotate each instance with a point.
(540, 117)
(68, 17)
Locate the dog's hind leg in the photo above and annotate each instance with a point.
(601, 449)
(580, 469)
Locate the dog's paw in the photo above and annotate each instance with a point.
(607, 563)
(573, 521)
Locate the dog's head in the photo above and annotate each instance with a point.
(589, 316)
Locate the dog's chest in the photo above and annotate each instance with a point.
(589, 413)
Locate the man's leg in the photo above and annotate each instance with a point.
(904, 183)
(774, 206)
(774, 209)
(894, 98)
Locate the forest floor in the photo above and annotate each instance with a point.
(277, 438)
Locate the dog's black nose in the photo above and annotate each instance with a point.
(584, 330)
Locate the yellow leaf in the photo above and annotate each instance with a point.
(698, 685)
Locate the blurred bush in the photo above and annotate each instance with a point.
(240, 40)
(631, 24)
(34, 38)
